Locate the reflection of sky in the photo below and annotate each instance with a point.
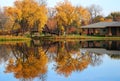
(107, 71)
(5, 77)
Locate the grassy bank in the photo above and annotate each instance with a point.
(78, 37)
(14, 38)
(68, 37)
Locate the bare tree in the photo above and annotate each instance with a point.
(42, 2)
(4, 53)
(3, 19)
(94, 10)
(51, 12)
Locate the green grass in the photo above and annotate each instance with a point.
(14, 38)
(78, 37)
(67, 37)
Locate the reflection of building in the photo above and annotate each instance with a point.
(102, 28)
(109, 45)
(101, 51)
(101, 47)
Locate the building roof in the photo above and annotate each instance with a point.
(102, 25)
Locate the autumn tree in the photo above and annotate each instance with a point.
(3, 20)
(27, 14)
(98, 18)
(115, 16)
(64, 16)
(67, 15)
(108, 19)
(83, 15)
(5, 23)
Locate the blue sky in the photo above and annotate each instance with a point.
(107, 5)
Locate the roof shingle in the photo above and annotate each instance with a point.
(102, 25)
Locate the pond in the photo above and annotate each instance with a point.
(60, 61)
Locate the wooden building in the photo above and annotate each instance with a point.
(102, 29)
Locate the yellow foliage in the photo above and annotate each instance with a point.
(11, 61)
(65, 14)
(31, 67)
(102, 19)
(108, 20)
(28, 11)
(83, 15)
(68, 15)
(66, 65)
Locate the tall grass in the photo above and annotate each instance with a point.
(13, 38)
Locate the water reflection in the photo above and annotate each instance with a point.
(27, 62)
(69, 57)
(4, 53)
(109, 45)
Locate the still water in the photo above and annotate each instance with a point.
(60, 61)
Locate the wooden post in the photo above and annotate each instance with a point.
(109, 31)
(88, 31)
(93, 32)
(117, 31)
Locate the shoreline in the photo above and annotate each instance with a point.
(14, 38)
(68, 37)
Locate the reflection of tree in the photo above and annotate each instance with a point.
(95, 59)
(28, 63)
(4, 53)
(115, 56)
(68, 64)
(31, 62)
(53, 48)
(43, 77)
(69, 58)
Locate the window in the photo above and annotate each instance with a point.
(104, 30)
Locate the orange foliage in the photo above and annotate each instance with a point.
(68, 15)
(108, 20)
(68, 62)
(27, 13)
(72, 30)
(30, 68)
(52, 24)
(53, 49)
